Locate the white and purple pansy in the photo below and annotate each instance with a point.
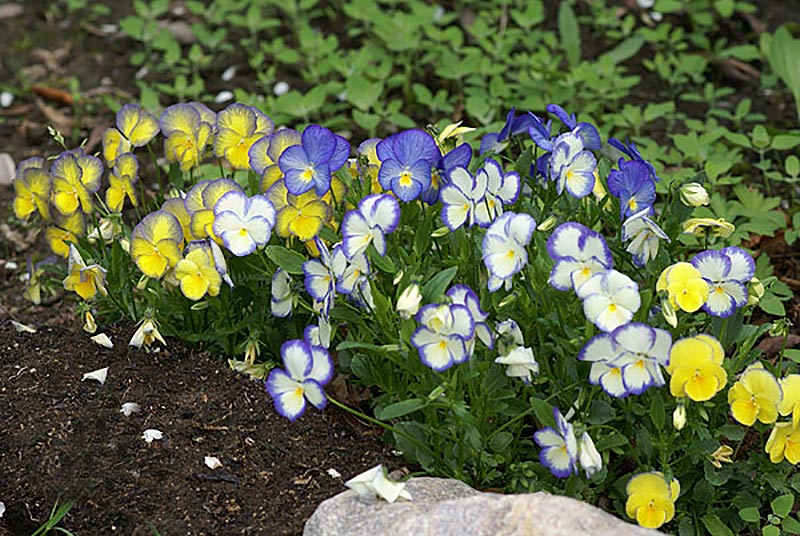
(629, 359)
(559, 447)
(610, 299)
(243, 223)
(442, 336)
(645, 236)
(501, 189)
(376, 216)
(461, 197)
(579, 253)
(282, 301)
(504, 247)
(348, 272)
(572, 167)
(308, 369)
(727, 272)
(320, 281)
(463, 295)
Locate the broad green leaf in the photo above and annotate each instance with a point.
(361, 92)
(715, 526)
(791, 525)
(657, 413)
(626, 50)
(782, 142)
(289, 260)
(404, 407)
(543, 411)
(569, 32)
(781, 506)
(656, 111)
(433, 290)
(383, 263)
(750, 514)
(613, 440)
(770, 530)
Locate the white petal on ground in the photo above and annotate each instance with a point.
(212, 462)
(22, 328)
(152, 434)
(129, 408)
(98, 375)
(103, 340)
(7, 169)
(2, 509)
(334, 473)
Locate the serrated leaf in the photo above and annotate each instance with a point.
(770, 530)
(361, 92)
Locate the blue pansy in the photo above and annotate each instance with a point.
(559, 447)
(633, 186)
(308, 369)
(406, 161)
(310, 164)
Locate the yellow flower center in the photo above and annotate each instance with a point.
(405, 179)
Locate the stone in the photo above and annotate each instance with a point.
(441, 507)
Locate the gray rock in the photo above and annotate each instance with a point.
(442, 507)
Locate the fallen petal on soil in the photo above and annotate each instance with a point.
(151, 434)
(129, 408)
(98, 375)
(103, 340)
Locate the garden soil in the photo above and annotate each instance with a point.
(65, 440)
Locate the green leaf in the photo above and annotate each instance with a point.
(738, 138)
(501, 441)
(655, 111)
(791, 525)
(750, 514)
(601, 412)
(657, 414)
(760, 137)
(383, 263)
(361, 92)
(782, 142)
(772, 306)
(433, 290)
(770, 530)
(569, 32)
(289, 260)
(715, 526)
(543, 411)
(626, 50)
(781, 506)
(732, 432)
(725, 7)
(404, 407)
(612, 440)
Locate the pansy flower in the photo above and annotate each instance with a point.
(76, 176)
(610, 298)
(308, 369)
(121, 182)
(727, 273)
(32, 183)
(177, 208)
(406, 161)
(310, 164)
(497, 141)
(243, 223)
(629, 149)
(282, 301)
(156, 243)
(197, 272)
(559, 447)
(85, 281)
(631, 357)
(579, 253)
(135, 127)
(376, 216)
(633, 186)
(200, 202)
(708, 226)
(301, 216)
(348, 272)
(504, 247)
(463, 295)
(784, 442)
(588, 455)
(238, 127)
(755, 395)
(790, 403)
(586, 131)
(219, 261)
(442, 335)
(571, 166)
(500, 189)
(65, 229)
(458, 157)
(187, 129)
(695, 364)
(320, 281)
(266, 151)
(685, 286)
(644, 235)
(651, 499)
(520, 363)
(461, 197)
(368, 164)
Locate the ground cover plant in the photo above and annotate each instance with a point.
(524, 291)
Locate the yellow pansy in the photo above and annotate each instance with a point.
(266, 151)
(187, 128)
(369, 164)
(685, 285)
(86, 281)
(784, 442)
(200, 203)
(135, 128)
(121, 182)
(238, 128)
(695, 364)
(76, 176)
(67, 229)
(790, 404)
(32, 185)
(301, 216)
(198, 274)
(651, 499)
(177, 208)
(756, 395)
(716, 227)
(156, 243)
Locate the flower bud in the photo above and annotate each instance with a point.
(89, 325)
(693, 194)
(588, 455)
(679, 417)
(755, 291)
(668, 311)
(409, 300)
(547, 224)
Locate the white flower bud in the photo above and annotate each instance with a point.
(679, 417)
(693, 194)
(409, 300)
(588, 455)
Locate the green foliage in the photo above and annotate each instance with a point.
(784, 58)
